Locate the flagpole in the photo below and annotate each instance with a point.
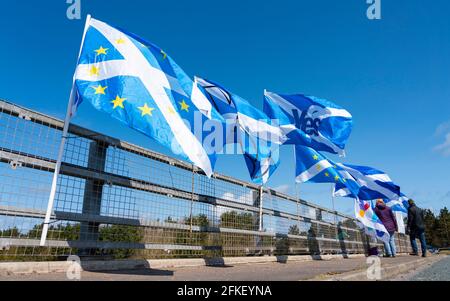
(332, 203)
(297, 191)
(51, 198)
(334, 214)
(297, 196)
(261, 191)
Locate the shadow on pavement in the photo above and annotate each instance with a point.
(142, 267)
(217, 262)
(342, 235)
(138, 272)
(313, 245)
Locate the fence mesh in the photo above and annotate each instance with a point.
(117, 200)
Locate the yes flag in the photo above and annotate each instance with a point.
(140, 85)
(251, 129)
(311, 166)
(374, 184)
(310, 121)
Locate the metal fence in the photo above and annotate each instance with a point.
(118, 200)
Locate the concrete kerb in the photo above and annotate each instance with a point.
(387, 271)
(45, 267)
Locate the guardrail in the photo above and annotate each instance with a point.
(118, 199)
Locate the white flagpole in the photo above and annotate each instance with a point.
(51, 198)
(332, 203)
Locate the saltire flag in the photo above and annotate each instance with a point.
(374, 184)
(372, 224)
(310, 121)
(398, 205)
(400, 209)
(138, 84)
(313, 167)
(250, 128)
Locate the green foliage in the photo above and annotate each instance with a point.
(67, 231)
(119, 233)
(294, 230)
(10, 233)
(199, 220)
(233, 219)
(437, 228)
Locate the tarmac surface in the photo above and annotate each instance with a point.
(438, 271)
(290, 271)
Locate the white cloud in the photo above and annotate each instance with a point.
(283, 189)
(443, 128)
(444, 148)
(245, 198)
(443, 131)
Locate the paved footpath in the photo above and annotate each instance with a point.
(290, 271)
(438, 271)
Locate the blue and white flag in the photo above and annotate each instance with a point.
(374, 184)
(398, 205)
(372, 224)
(250, 128)
(310, 121)
(140, 85)
(313, 167)
(400, 209)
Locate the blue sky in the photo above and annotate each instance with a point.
(391, 74)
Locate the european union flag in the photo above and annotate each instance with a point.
(252, 130)
(310, 121)
(137, 83)
(313, 167)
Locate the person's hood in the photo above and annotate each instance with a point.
(381, 206)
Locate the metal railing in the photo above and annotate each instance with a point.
(118, 200)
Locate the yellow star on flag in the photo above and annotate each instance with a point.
(101, 50)
(319, 168)
(120, 41)
(94, 71)
(146, 110)
(184, 106)
(171, 110)
(336, 178)
(164, 54)
(327, 174)
(118, 102)
(315, 157)
(99, 89)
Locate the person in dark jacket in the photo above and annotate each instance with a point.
(416, 228)
(387, 217)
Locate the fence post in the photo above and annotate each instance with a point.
(192, 199)
(93, 190)
(260, 196)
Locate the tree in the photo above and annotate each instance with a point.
(430, 228)
(294, 230)
(120, 233)
(233, 219)
(442, 227)
(10, 232)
